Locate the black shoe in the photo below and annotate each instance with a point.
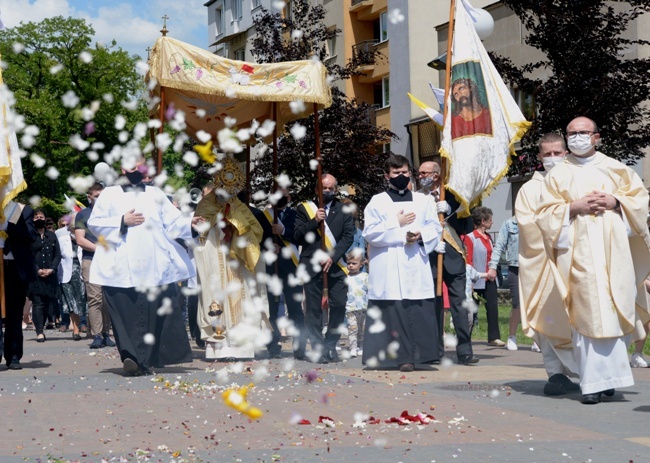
(98, 342)
(131, 368)
(107, 341)
(560, 384)
(299, 355)
(469, 359)
(332, 356)
(76, 337)
(406, 367)
(15, 364)
(609, 392)
(590, 399)
(200, 343)
(41, 339)
(275, 352)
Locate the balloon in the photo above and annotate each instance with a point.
(484, 23)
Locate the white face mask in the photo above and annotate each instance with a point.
(579, 144)
(551, 162)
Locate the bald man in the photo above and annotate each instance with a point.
(339, 229)
(592, 215)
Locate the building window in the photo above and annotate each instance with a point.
(257, 3)
(526, 102)
(330, 48)
(240, 55)
(218, 21)
(236, 10)
(383, 27)
(385, 92)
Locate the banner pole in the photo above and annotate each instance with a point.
(443, 160)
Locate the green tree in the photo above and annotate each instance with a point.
(348, 137)
(52, 61)
(594, 72)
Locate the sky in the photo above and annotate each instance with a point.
(134, 24)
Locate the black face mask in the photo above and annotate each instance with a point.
(401, 182)
(39, 223)
(134, 177)
(328, 196)
(282, 202)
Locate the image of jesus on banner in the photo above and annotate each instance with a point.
(470, 112)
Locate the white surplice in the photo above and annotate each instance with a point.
(150, 256)
(398, 270)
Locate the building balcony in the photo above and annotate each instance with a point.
(365, 52)
(368, 10)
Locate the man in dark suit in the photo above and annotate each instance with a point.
(280, 237)
(453, 270)
(19, 271)
(340, 229)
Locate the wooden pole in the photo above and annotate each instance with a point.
(160, 129)
(443, 160)
(321, 205)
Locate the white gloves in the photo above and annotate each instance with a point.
(443, 207)
(440, 248)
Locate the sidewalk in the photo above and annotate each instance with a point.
(74, 404)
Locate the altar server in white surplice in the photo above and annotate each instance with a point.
(592, 215)
(401, 228)
(138, 263)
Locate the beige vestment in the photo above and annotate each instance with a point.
(232, 303)
(543, 316)
(600, 274)
(599, 263)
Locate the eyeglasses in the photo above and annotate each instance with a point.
(581, 133)
(427, 173)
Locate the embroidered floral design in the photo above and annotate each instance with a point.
(176, 69)
(188, 65)
(199, 74)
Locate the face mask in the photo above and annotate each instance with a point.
(282, 202)
(39, 223)
(400, 183)
(134, 177)
(426, 182)
(328, 196)
(551, 162)
(579, 144)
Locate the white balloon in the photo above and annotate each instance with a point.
(484, 24)
(102, 170)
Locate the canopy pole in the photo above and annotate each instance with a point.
(443, 160)
(276, 240)
(160, 129)
(321, 205)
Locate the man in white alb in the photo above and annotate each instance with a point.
(592, 216)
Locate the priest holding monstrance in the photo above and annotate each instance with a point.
(233, 308)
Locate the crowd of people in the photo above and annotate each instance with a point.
(133, 264)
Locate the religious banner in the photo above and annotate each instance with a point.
(12, 181)
(483, 121)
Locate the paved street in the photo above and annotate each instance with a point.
(74, 404)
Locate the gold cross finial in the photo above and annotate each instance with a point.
(164, 30)
(149, 52)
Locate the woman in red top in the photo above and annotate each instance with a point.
(479, 252)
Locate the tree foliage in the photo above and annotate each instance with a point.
(348, 137)
(52, 61)
(594, 72)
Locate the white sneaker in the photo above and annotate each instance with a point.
(353, 353)
(511, 344)
(638, 361)
(535, 347)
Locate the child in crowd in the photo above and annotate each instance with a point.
(472, 276)
(357, 303)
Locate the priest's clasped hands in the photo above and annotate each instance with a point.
(133, 219)
(594, 203)
(407, 219)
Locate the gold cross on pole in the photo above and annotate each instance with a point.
(164, 30)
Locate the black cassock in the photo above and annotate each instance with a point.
(410, 322)
(133, 316)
